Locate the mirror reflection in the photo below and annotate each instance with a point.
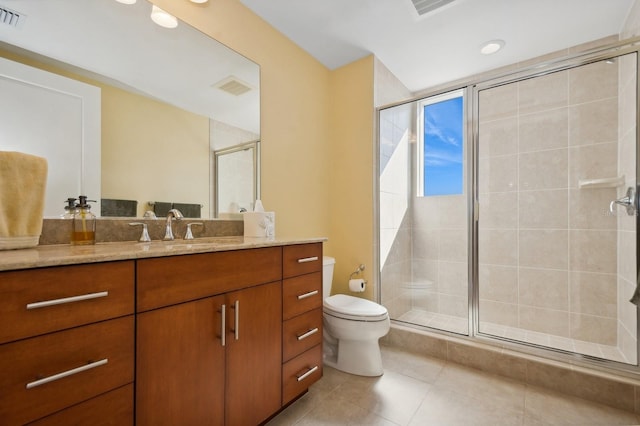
(167, 100)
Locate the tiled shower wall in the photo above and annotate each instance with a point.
(547, 248)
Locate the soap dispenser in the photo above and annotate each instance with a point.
(69, 209)
(84, 223)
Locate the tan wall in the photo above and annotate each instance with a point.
(294, 114)
(352, 170)
(317, 135)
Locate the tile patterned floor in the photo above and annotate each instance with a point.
(461, 325)
(422, 391)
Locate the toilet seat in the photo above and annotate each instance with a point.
(354, 308)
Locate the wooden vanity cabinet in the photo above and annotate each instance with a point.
(67, 343)
(209, 338)
(302, 319)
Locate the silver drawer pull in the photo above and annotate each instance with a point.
(304, 296)
(308, 259)
(308, 333)
(67, 373)
(307, 374)
(64, 300)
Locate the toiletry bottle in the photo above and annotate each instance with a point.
(84, 223)
(69, 209)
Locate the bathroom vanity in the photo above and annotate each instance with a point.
(221, 332)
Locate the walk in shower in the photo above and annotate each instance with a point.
(537, 244)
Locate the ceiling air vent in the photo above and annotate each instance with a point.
(10, 17)
(425, 6)
(233, 85)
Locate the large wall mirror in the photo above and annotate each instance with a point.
(167, 101)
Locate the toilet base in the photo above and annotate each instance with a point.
(359, 357)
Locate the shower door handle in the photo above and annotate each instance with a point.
(628, 201)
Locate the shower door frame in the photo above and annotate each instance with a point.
(585, 58)
(471, 89)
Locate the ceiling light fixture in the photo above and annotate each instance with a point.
(491, 47)
(163, 18)
(127, 1)
(199, 1)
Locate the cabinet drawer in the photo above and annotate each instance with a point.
(38, 301)
(300, 373)
(301, 294)
(301, 259)
(175, 279)
(113, 408)
(301, 333)
(44, 374)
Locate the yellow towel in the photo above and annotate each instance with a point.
(23, 180)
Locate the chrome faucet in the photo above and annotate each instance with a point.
(173, 213)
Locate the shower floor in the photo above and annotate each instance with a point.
(461, 325)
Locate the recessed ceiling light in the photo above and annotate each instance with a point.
(127, 1)
(163, 18)
(199, 1)
(491, 47)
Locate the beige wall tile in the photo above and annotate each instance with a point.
(453, 211)
(542, 130)
(455, 306)
(453, 278)
(593, 294)
(498, 313)
(589, 209)
(543, 93)
(589, 328)
(628, 255)
(426, 214)
(593, 82)
(498, 247)
(498, 102)
(453, 245)
(592, 162)
(424, 271)
(543, 209)
(490, 361)
(592, 251)
(554, 163)
(497, 210)
(498, 283)
(543, 288)
(593, 122)
(425, 244)
(500, 174)
(544, 320)
(499, 137)
(543, 248)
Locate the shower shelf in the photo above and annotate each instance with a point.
(613, 182)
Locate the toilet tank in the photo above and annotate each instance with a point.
(327, 275)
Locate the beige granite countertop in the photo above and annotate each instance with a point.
(65, 254)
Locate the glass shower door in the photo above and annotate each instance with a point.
(557, 260)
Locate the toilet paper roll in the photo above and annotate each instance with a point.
(357, 285)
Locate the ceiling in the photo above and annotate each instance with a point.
(442, 45)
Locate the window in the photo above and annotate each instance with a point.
(440, 145)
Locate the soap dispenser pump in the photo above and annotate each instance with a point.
(69, 209)
(84, 223)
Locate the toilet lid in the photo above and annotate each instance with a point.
(345, 306)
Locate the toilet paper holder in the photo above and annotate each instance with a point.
(357, 271)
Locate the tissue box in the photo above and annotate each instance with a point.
(259, 224)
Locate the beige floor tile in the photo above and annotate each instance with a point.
(546, 407)
(419, 367)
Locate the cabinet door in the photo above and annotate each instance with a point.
(180, 365)
(254, 354)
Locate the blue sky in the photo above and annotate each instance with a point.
(443, 136)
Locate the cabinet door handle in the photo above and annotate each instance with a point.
(307, 374)
(308, 259)
(67, 373)
(307, 334)
(223, 326)
(64, 300)
(236, 326)
(304, 296)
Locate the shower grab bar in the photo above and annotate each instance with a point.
(612, 182)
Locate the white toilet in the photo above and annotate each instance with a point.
(352, 327)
